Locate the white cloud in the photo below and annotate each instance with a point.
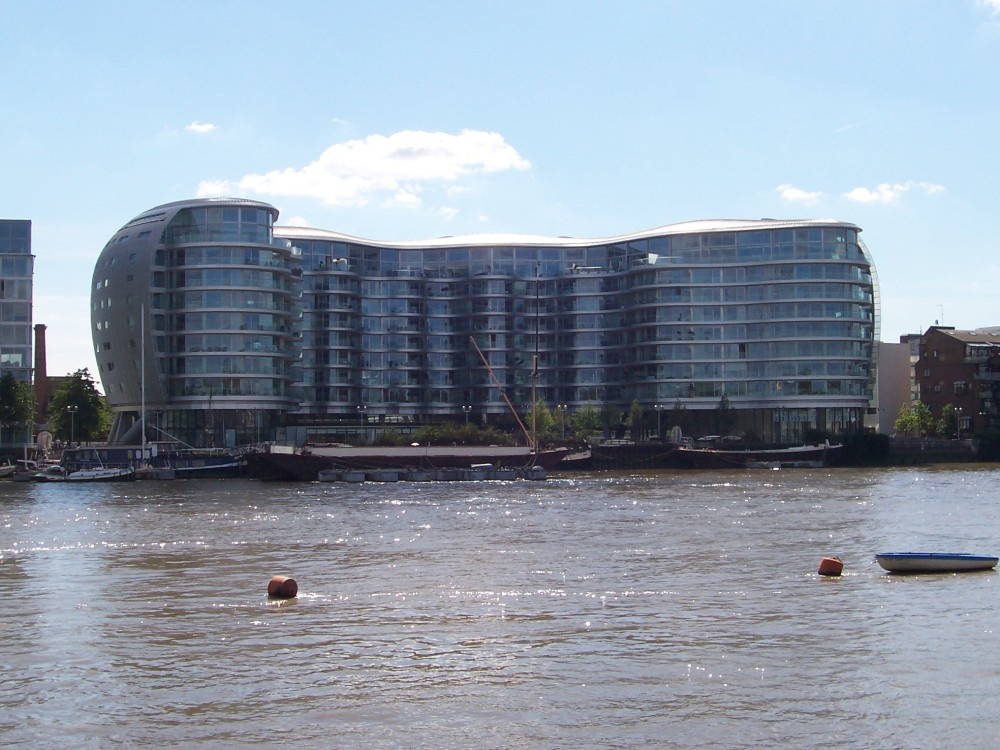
(391, 169)
(448, 213)
(210, 188)
(797, 195)
(199, 127)
(993, 5)
(295, 221)
(888, 193)
(406, 197)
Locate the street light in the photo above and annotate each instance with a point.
(361, 415)
(561, 408)
(958, 421)
(72, 422)
(659, 411)
(466, 410)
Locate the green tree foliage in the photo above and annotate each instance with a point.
(914, 420)
(941, 427)
(725, 416)
(458, 433)
(91, 417)
(16, 408)
(545, 423)
(586, 421)
(948, 424)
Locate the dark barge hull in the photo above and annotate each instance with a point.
(623, 455)
(305, 465)
(805, 456)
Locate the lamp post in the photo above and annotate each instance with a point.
(465, 410)
(561, 408)
(72, 422)
(958, 422)
(361, 418)
(659, 411)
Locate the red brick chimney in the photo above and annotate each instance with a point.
(42, 389)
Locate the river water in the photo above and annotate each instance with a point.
(619, 610)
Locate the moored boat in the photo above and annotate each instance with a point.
(49, 472)
(102, 474)
(59, 473)
(29, 468)
(621, 454)
(305, 464)
(475, 473)
(934, 562)
(160, 460)
(797, 456)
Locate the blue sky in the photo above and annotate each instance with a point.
(395, 121)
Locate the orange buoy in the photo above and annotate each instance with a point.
(282, 587)
(831, 566)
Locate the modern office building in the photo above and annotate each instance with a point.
(252, 327)
(17, 268)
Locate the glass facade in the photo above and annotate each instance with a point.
(779, 319)
(17, 267)
(192, 311)
(769, 315)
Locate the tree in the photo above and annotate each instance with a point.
(16, 405)
(906, 422)
(611, 420)
(586, 421)
(725, 416)
(914, 420)
(77, 410)
(545, 423)
(635, 419)
(948, 424)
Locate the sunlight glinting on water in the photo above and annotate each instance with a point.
(597, 610)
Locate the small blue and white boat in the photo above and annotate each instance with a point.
(934, 562)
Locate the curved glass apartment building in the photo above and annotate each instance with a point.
(778, 317)
(192, 311)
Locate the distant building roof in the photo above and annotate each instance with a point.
(979, 336)
(479, 240)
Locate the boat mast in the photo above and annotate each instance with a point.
(527, 435)
(142, 370)
(534, 372)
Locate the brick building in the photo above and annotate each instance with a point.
(961, 368)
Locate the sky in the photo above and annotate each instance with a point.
(410, 121)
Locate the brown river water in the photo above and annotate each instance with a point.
(617, 610)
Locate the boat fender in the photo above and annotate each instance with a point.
(831, 566)
(282, 587)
